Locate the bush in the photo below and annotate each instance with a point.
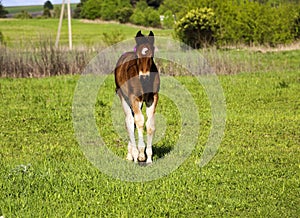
(138, 17)
(101, 9)
(253, 23)
(198, 28)
(113, 38)
(152, 17)
(146, 17)
(108, 10)
(296, 25)
(123, 14)
(23, 15)
(168, 21)
(2, 42)
(91, 9)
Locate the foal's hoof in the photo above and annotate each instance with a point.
(149, 161)
(142, 157)
(129, 157)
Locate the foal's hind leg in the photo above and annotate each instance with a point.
(129, 121)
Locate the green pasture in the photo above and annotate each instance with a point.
(30, 32)
(255, 172)
(29, 8)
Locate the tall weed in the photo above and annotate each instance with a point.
(42, 60)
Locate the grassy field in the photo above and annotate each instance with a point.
(44, 173)
(254, 174)
(30, 8)
(27, 32)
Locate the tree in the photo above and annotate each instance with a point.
(48, 5)
(91, 9)
(108, 8)
(103, 9)
(3, 12)
(78, 9)
(46, 13)
(141, 5)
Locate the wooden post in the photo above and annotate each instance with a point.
(69, 25)
(60, 24)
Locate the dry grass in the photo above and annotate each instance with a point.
(264, 49)
(45, 60)
(42, 61)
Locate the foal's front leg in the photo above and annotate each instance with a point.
(129, 121)
(150, 125)
(139, 123)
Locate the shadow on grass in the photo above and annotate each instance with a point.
(161, 150)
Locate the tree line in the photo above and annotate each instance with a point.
(201, 23)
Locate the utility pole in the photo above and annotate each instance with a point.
(60, 24)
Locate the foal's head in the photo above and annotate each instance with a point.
(144, 52)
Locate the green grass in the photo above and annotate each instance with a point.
(254, 174)
(30, 8)
(27, 32)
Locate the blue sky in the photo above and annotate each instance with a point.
(7, 3)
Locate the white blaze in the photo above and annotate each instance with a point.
(144, 51)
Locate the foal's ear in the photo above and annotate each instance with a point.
(151, 37)
(139, 34)
(138, 37)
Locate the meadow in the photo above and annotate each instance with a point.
(255, 173)
(24, 33)
(29, 8)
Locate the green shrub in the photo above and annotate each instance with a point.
(168, 21)
(113, 38)
(296, 24)
(104, 9)
(141, 5)
(123, 14)
(108, 10)
(138, 17)
(253, 23)
(197, 28)
(1, 39)
(146, 17)
(152, 17)
(91, 9)
(23, 15)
